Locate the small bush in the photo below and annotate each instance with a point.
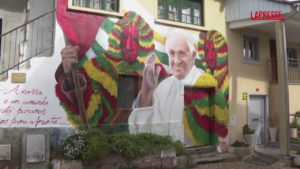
(96, 145)
(248, 130)
(294, 124)
(93, 144)
(74, 145)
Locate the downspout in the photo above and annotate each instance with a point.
(287, 76)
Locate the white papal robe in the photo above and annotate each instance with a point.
(164, 117)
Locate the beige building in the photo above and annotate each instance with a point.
(255, 52)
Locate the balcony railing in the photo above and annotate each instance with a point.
(293, 70)
(32, 39)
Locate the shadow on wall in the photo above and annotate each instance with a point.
(13, 5)
(222, 5)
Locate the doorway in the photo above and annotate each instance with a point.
(258, 116)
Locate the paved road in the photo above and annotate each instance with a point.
(242, 165)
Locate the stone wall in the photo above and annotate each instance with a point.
(13, 136)
(158, 159)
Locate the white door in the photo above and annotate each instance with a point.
(256, 117)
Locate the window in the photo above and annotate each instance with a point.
(250, 49)
(127, 90)
(292, 57)
(186, 11)
(108, 5)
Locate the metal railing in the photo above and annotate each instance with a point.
(32, 39)
(293, 70)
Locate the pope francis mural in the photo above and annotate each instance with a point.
(130, 85)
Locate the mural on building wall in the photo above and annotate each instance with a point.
(182, 83)
(168, 101)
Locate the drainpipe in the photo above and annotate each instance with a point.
(297, 5)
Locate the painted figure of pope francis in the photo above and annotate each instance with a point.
(159, 109)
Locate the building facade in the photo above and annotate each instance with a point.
(195, 70)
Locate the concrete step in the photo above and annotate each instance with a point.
(201, 149)
(295, 140)
(226, 157)
(294, 145)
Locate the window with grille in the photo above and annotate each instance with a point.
(292, 57)
(127, 90)
(108, 5)
(186, 11)
(250, 49)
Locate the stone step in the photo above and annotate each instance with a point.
(295, 140)
(201, 155)
(201, 149)
(294, 146)
(226, 157)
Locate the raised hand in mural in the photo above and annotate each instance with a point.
(69, 57)
(150, 80)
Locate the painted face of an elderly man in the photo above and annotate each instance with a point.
(181, 56)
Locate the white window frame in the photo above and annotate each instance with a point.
(294, 49)
(118, 14)
(255, 47)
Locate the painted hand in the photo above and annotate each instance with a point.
(150, 74)
(69, 57)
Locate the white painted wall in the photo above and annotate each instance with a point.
(13, 15)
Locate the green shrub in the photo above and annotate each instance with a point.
(248, 130)
(74, 145)
(294, 124)
(96, 145)
(123, 145)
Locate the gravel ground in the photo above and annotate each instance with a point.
(243, 165)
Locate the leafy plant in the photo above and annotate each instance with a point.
(294, 124)
(96, 145)
(248, 130)
(297, 114)
(240, 144)
(74, 145)
(298, 152)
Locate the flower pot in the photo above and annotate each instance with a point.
(241, 151)
(293, 132)
(251, 139)
(296, 160)
(273, 133)
(231, 150)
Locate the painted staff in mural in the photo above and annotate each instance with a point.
(163, 105)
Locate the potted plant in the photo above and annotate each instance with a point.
(296, 158)
(294, 129)
(241, 149)
(249, 135)
(273, 129)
